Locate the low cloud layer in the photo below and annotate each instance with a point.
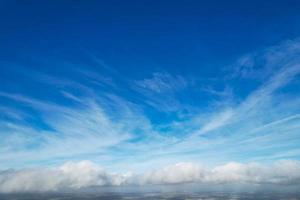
(86, 174)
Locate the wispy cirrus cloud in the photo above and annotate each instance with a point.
(162, 90)
(115, 130)
(162, 83)
(285, 60)
(88, 127)
(263, 63)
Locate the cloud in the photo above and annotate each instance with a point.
(68, 176)
(83, 174)
(284, 65)
(162, 83)
(91, 127)
(219, 120)
(162, 91)
(174, 174)
(281, 172)
(262, 64)
(119, 131)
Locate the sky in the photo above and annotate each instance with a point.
(116, 93)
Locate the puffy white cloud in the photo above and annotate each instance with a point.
(69, 176)
(84, 174)
(178, 173)
(281, 172)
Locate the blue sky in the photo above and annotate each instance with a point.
(137, 85)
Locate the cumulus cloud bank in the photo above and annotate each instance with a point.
(75, 175)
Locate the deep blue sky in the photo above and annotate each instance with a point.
(139, 84)
(201, 36)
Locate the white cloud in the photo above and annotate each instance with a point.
(217, 121)
(178, 173)
(262, 64)
(282, 172)
(86, 174)
(283, 61)
(71, 175)
(162, 83)
(162, 91)
(107, 128)
(88, 127)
